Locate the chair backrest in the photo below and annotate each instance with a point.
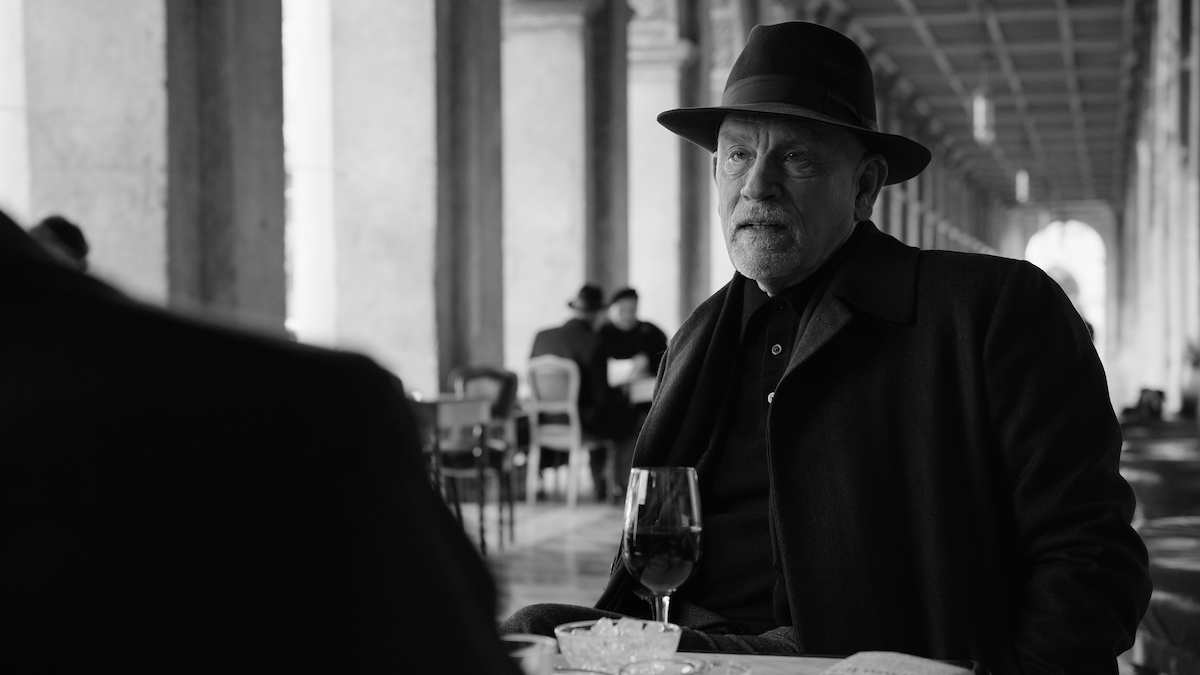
(554, 384)
(554, 391)
(495, 384)
(464, 412)
(457, 420)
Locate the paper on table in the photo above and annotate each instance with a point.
(620, 371)
(892, 663)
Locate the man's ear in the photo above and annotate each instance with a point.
(871, 177)
(714, 166)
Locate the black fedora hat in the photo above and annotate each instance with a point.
(590, 299)
(805, 70)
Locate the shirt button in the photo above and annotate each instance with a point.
(776, 349)
(771, 397)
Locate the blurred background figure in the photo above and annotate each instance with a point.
(604, 412)
(627, 337)
(63, 240)
(1067, 282)
(642, 344)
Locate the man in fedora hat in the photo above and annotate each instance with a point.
(604, 412)
(898, 449)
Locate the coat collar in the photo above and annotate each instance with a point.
(878, 277)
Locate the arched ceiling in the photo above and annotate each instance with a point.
(1061, 74)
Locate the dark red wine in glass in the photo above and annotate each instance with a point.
(661, 540)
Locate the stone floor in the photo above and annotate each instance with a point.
(559, 555)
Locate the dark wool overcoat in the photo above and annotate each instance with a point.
(942, 459)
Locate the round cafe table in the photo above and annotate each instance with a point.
(762, 665)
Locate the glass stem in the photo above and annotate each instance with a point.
(662, 605)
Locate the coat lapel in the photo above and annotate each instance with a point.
(877, 278)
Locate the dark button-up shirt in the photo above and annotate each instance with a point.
(738, 576)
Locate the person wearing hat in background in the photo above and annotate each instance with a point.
(625, 336)
(604, 412)
(63, 240)
(898, 449)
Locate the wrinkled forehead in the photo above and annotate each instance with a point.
(750, 127)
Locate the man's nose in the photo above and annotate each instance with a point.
(762, 181)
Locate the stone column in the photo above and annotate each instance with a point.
(607, 50)
(729, 22)
(394, 151)
(470, 264)
(225, 196)
(384, 83)
(912, 216)
(658, 189)
(156, 126)
(95, 129)
(15, 189)
(564, 209)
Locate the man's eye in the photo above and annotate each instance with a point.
(737, 155)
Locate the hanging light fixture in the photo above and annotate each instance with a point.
(983, 109)
(1022, 186)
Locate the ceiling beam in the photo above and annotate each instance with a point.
(1068, 55)
(1040, 98)
(970, 17)
(1043, 74)
(1124, 93)
(933, 49)
(1009, 69)
(1015, 49)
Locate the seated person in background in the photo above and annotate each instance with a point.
(898, 450)
(63, 240)
(627, 337)
(177, 497)
(604, 412)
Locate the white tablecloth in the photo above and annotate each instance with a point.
(762, 665)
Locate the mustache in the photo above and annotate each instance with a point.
(760, 214)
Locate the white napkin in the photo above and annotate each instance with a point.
(891, 663)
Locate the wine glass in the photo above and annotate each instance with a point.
(661, 540)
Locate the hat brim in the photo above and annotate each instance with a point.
(585, 306)
(905, 157)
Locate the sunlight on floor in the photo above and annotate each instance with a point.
(559, 554)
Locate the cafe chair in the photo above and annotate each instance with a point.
(457, 449)
(500, 434)
(554, 423)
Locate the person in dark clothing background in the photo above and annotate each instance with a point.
(604, 412)
(180, 497)
(898, 449)
(625, 336)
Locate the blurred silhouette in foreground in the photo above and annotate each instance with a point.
(63, 240)
(182, 497)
